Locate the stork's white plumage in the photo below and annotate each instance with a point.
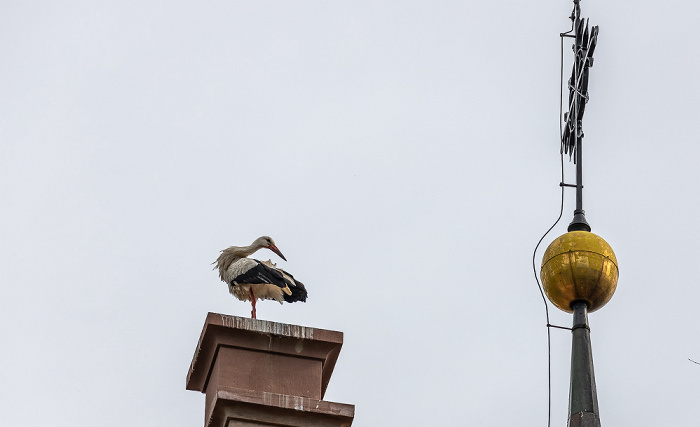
(249, 279)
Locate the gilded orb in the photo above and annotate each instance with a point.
(579, 266)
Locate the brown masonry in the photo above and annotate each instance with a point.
(260, 373)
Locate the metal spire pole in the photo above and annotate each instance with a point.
(583, 397)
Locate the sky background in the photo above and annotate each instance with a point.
(404, 155)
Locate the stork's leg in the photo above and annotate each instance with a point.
(252, 300)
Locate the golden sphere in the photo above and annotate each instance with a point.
(579, 266)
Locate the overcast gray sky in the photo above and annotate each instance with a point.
(404, 155)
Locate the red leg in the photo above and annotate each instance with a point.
(252, 299)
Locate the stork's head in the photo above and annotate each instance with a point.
(267, 242)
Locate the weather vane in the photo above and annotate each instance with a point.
(572, 136)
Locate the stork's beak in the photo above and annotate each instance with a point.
(274, 249)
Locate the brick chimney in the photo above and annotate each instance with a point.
(260, 373)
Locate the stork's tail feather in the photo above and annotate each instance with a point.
(298, 293)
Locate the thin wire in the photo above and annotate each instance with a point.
(559, 327)
(544, 300)
(534, 253)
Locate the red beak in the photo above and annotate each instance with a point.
(274, 249)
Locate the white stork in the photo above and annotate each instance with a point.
(249, 279)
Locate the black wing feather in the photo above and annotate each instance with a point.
(262, 274)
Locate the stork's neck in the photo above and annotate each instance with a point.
(242, 251)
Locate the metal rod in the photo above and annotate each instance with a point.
(579, 222)
(579, 173)
(583, 396)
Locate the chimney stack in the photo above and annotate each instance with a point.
(261, 373)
